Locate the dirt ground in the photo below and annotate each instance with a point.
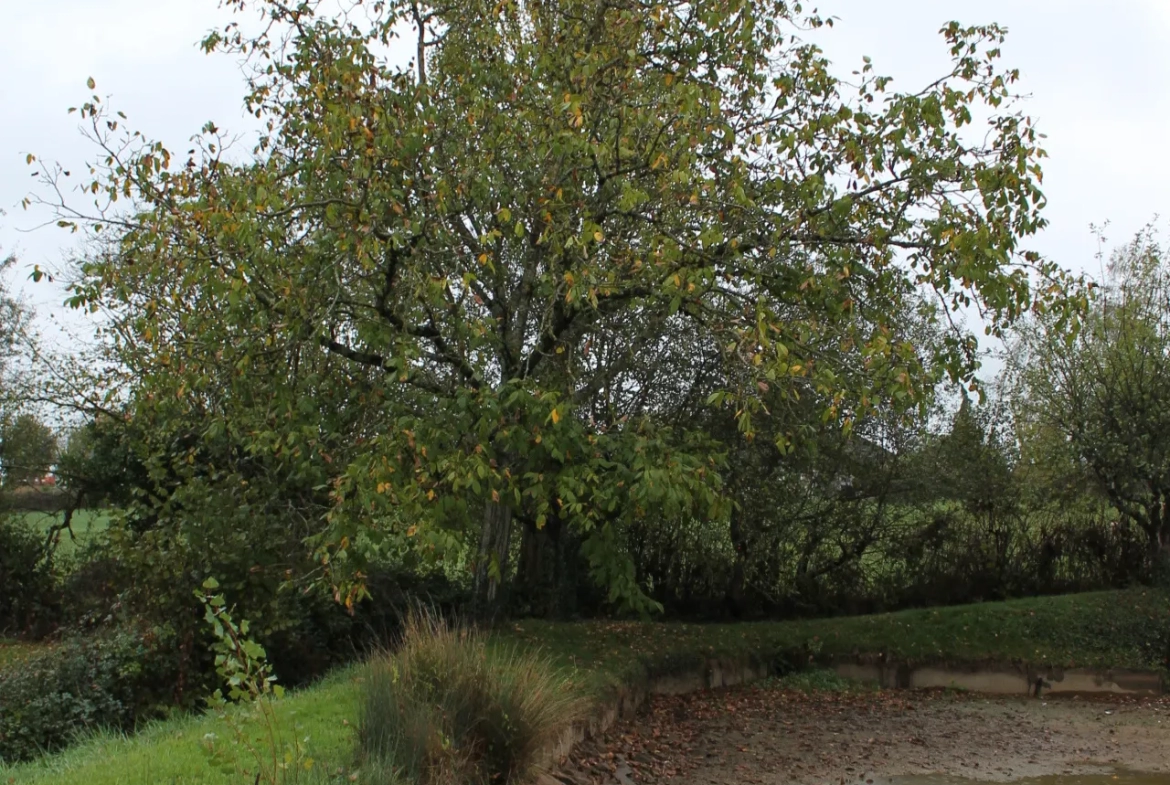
(771, 736)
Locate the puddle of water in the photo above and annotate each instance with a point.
(1116, 778)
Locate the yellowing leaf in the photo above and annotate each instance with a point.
(556, 416)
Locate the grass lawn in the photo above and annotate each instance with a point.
(1123, 629)
(12, 651)
(177, 752)
(1099, 629)
(86, 524)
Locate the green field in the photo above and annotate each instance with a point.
(1121, 629)
(13, 651)
(86, 525)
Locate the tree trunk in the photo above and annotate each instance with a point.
(1160, 552)
(1157, 529)
(546, 578)
(491, 564)
(736, 586)
(533, 584)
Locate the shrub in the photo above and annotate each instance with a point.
(248, 680)
(150, 570)
(109, 680)
(28, 602)
(451, 706)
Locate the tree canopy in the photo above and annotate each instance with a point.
(28, 449)
(480, 288)
(1095, 404)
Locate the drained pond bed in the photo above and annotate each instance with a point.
(1108, 777)
(775, 733)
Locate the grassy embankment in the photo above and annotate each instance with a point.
(1121, 629)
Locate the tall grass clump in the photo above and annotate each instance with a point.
(452, 706)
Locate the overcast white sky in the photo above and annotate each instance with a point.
(1098, 75)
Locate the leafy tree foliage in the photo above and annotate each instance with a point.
(28, 449)
(98, 465)
(14, 315)
(469, 294)
(911, 510)
(27, 596)
(1095, 404)
(14, 334)
(973, 463)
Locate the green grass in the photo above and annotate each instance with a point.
(1100, 629)
(87, 524)
(497, 708)
(175, 751)
(13, 651)
(1119, 629)
(818, 680)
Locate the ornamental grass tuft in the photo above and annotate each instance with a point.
(452, 706)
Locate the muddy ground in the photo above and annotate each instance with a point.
(771, 736)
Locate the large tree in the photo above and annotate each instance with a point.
(438, 283)
(1095, 403)
(14, 337)
(28, 449)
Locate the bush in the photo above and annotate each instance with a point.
(109, 680)
(28, 602)
(452, 707)
(320, 633)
